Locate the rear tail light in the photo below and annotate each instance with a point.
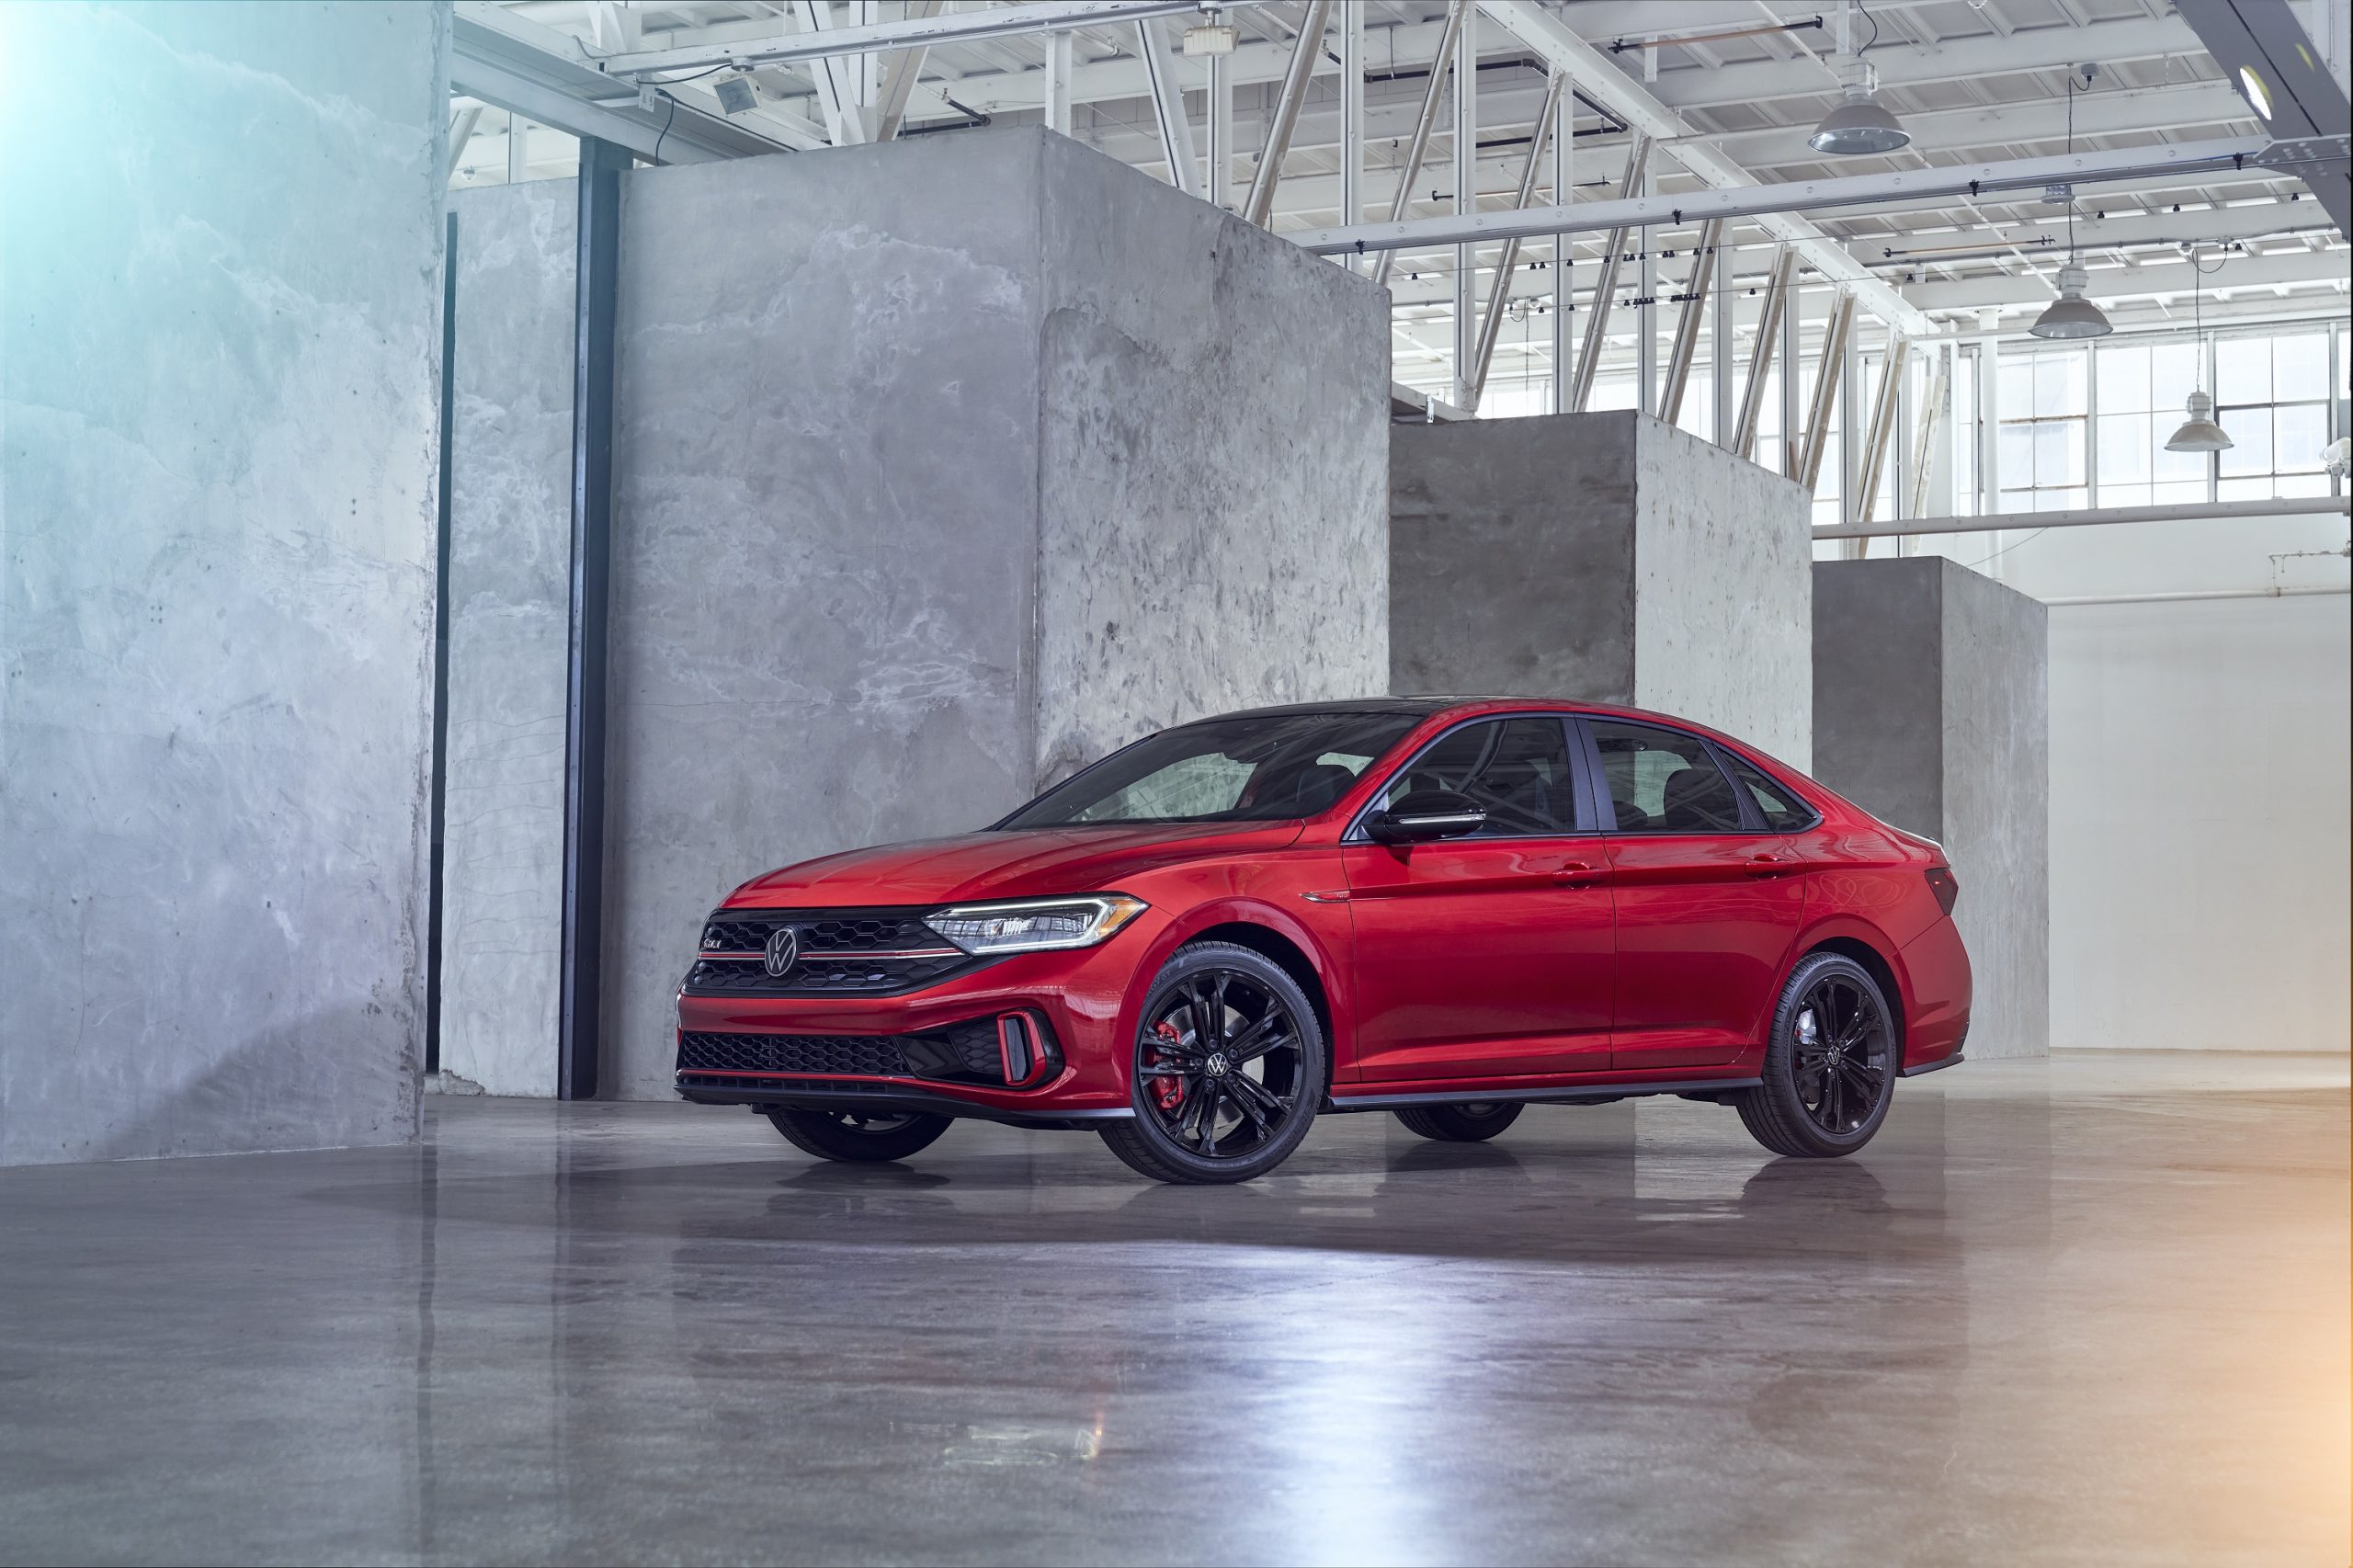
(1027, 1050)
(1941, 883)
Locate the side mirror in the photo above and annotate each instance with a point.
(1424, 815)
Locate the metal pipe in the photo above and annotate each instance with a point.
(1433, 95)
(1791, 298)
(1499, 297)
(2097, 517)
(1760, 359)
(1884, 418)
(1589, 352)
(1217, 187)
(1825, 389)
(1352, 116)
(1687, 327)
(1931, 421)
(1167, 107)
(2311, 592)
(1466, 203)
(582, 941)
(1285, 118)
(1564, 184)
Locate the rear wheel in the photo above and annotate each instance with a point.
(1474, 1121)
(1227, 1073)
(1830, 1066)
(859, 1137)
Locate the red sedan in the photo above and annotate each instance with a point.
(1442, 908)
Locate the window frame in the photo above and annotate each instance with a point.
(1752, 818)
(1581, 783)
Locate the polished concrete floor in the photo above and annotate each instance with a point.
(2087, 1311)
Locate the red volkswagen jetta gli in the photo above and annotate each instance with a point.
(1445, 908)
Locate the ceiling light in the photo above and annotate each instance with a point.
(1858, 126)
(1211, 38)
(2199, 433)
(2252, 85)
(2072, 316)
(735, 95)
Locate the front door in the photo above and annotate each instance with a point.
(1486, 956)
(1708, 901)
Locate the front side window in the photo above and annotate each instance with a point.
(1664, 782)
(1516, 768)
(1268, 768)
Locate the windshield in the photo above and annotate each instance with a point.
(1269, 768)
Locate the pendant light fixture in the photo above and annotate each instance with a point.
(2199, 433)
(2071, 315)
(1860, 124)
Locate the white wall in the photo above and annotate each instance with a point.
(2198, 837)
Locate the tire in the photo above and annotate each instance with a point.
(858, 1137)
(1474, 1121)
(1829, 1065)
(1184, 1092)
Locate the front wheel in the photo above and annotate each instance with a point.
(1474, 1121)
(1830, 1065)
(859, 1137)
(1228, 1069)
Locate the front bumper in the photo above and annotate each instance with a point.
(1077, 993)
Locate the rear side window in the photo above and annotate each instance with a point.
(1516, 768)
(1664, 782)
(1784, 813)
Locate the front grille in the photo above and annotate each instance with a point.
(966, 1052)
(866, 952)
(862, 1056)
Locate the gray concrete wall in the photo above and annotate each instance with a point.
(1511, 556)
(220, 263)
(510, 550)
(1601, 556)
(1212, 472)
(1932, 711)
(1723, 563)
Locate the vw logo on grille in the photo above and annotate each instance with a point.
(784, 952)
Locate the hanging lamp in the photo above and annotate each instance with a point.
(1860, 124)
(2071, 315)
(2199, 433)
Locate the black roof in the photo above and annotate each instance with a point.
(1414, 706)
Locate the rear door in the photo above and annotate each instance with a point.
(1709, 898)
(1489, 955)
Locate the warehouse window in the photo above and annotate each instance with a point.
(2045, 407)
(2143, 385)
(2272, 395)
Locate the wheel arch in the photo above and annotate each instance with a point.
(1875, 964)
(1279, 950)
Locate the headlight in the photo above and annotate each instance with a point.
(1034, 925)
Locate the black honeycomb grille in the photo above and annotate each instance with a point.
(866, 1056)
(842, 951)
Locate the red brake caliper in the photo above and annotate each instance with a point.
(1170, 1092)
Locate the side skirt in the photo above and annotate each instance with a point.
(1690, 1087)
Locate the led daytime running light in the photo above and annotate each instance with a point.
(1035, 925)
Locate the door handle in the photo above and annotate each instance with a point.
(1768, 865)
(1578, 873)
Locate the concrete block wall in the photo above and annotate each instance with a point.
(1931, 710)
(941, 468)
(1603, 556)
(219, 370)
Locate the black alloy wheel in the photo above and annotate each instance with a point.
(857, 1136)
(1228, 1069)
(1473, 1121)
(1830, 1067)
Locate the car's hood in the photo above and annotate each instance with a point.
(1029, 862)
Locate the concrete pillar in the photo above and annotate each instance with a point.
(1603, 556)
(220, 267)
(1931, 711)
(941, 468)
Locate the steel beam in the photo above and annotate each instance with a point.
(1885, 417)
(1564, 184)
(580, 993)
(438, 807)
(1760, 358)
(1919, 186)
(1351, 115)
(1466, 201)
(1605, 290)
(1167, 106)
(906, 68)
(1409, 168)
(1687, 325)
(2003, 522)
(963, 27)
(1499, 297)
(1826, 390)
(1217, 189)
(461, 132)
(1285, 118)
(1932, 416)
